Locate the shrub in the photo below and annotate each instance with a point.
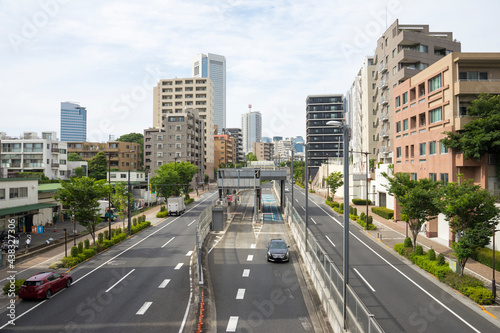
(17, 284)
(329, 198)
(363, 224)
(362, 216)
(87, 244)
(419, 250)
(407, 242)
(361, 202)
(106, 234)
(398, 247)
(162, 214)
(162, 208)
(134, 221)
(100, 237)
(144, 217)
(81, 257)
(480, 295)
(186, 201)
(431, 255)
(74, 251)
(341, 207)
(119, 230)
(89, 253)
(440, 260)
(80, 247)
(383, 212)
(485, 257)
(355, 211)
(370, 219)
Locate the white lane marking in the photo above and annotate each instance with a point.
(313, 220)
(231, 325)
(107, 261)
(189, 253)
(303, 208)
(240, 294)
(119, 280)
(179, 265)
(144, 308)
(362, 278)
(191, 223)
(252, 246)
(330, 240)
(164, 283)
(403, 274)
(246, 273)
(171, 239)
(297, 200)
(250, 257)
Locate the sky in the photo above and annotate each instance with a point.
(107, 55)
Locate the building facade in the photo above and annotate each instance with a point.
(264, 151)
(73, 122)
(283, 148)
(120, 155)
(323, 141)
(174, 96)
(224, 149)
(236, 133)
(402, 52)
(180, 138)
(31, 153)
(251, 127)
(213, 66)
(435, 101)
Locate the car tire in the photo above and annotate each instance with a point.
(48, 294)
(68, 283)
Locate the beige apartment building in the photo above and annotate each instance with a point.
(123, 156)
(401, 52)
(264, 151)
(224, 149)
(173, 96)
(435, 101)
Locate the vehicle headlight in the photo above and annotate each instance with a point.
(269, 253)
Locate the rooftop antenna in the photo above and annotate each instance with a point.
(249, 107)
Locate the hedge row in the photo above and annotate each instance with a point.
(361, 220)
(384, 212)
(361, 201)
(485, 257)
(467, 285)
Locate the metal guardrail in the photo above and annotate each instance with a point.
(328, 280)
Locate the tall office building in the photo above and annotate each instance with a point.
(402, 51)
(298, 142)
(73, 122)
(251, 126)
(324, 141)
(213, 66)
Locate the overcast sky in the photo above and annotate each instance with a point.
(108, 54)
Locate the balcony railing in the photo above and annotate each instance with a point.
(382, 84)
(383, 100)
(54, 150)
(54, 165)
(382, 68)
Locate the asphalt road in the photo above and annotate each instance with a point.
(141, 284)
(402, 298)
(251, 294)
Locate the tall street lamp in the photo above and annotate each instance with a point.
(292, 182)
(345, 132)
(128, 198)
(307, 193)
(493, 283)
(109, 195)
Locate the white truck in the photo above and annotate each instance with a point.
(103, 210)
(176, 205)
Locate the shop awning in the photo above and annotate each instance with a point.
(26, 208)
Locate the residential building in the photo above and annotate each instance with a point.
(264, 151)
(402, 52)
(73, 122)
(236, 133)
(33, 153)
(282, 149)
(323, 141)
(179, 138)
(174, 96)
(433, 102)
(120, 155)
(251, 126)
(224, 149)
(213, 66)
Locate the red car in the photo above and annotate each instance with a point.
(44, 285)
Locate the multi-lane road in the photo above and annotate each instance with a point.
(402, 298)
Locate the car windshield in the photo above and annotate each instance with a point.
(33, 283)
(277, 245)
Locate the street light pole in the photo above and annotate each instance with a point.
(109, 195)
(307, 198)
(493, 283)
(128, 202)
(345, 132)
(291, 185)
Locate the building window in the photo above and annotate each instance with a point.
(123, 176)
(405, 124)
(394, 70)
(2, 194)
(398, 101)
(178, 145)
(413, 176)
(18, 192)
(405, 98)
(432, 148)
(398, 127)
(473, 76)
(435, 83)
(159, 154)
(444, 177)
(433, 176)
(435, 115)
(398, 152)
(393, 53)
(442, 148)
(178, 137)
(423, 149)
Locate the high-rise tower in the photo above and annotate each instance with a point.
(73, 122)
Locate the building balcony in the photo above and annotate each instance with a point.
(54, 165)
(383, 101)
(476, 87)
(382, 68)
(384, 116)
(460, 161)
(54, 150)
(382, 84)
(384, 133)
(34, 165)
(11, 165)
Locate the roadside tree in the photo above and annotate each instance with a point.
(98, 166)
(334, 181)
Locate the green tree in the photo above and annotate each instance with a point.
(482, 134)
(79, 173)
(165, 180)
(98, 166)
(417, 199)
(135, 138)
(120, 199)
(186, 172)
(469, 210)
(74, 157)
(81, 196)
(334, 181)
(251, 157)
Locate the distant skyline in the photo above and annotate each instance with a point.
(108, 55)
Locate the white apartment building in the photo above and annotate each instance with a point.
(174, 96)
(31, 153)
